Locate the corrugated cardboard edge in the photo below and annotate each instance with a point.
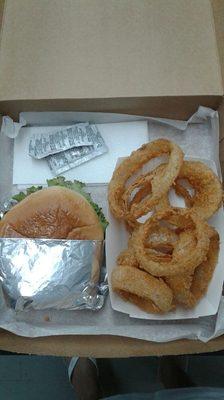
(221, 143)
(173, 107)
(218, 12)
(103, 346)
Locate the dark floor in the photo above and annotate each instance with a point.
(35, 377)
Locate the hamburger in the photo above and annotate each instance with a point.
(63, 210)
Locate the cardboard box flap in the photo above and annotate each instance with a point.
(101, 49)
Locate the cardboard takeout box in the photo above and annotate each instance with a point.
(160, 58)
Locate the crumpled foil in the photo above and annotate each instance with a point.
(6, 206)
(50, 273)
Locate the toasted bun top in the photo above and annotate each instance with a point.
(54, 212)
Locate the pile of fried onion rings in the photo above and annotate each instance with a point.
(172, 255)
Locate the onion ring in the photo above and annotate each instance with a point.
(162, 242)
(145, 190)
(143, 288)
(160, 182)
(162, 235)
(127, 257)
(145, 305)
(183, 192)
(181, 287)
(182, 261)
(208, 189)
(188, 289)
(204, 271)
(144, 183)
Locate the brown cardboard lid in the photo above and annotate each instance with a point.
(104, 49)
(218, 10)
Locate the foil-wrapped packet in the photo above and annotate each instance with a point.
(43, 144)
(71, 158)
(5, 206)
(51, 273)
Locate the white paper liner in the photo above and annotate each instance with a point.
(107, 321)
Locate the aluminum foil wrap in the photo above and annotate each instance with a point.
(50, 273)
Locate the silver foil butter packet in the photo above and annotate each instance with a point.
(71, 158)
(52, 274)
(43, 144)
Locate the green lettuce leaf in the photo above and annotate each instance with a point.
(22, 195)
(77, 186)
